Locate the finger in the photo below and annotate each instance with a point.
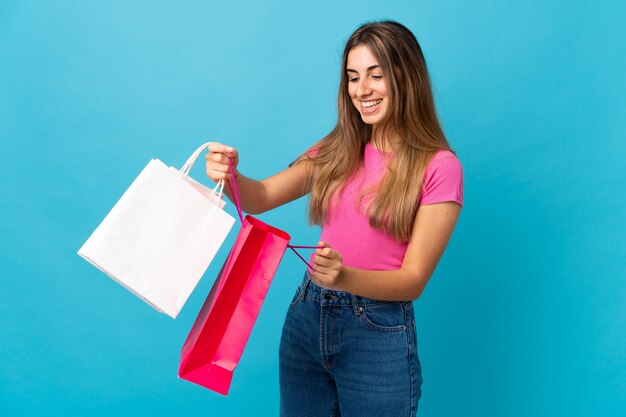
(318, 278)
(323, 270)
(210, 156)
(323, 278)
(232, 153)
(314, 276)
(328, 260)
(327, 253)
(325, 248)
(325, 262)
(217, 171)
(218, 157)
(319, 262)
(216, 176)
(217, 167)
(219, 147)
(317, 268)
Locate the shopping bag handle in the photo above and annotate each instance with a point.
(184, 172)
(233, 189)
(235, 194)
(293, 248)
(214, 191)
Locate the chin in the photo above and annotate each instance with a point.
(371, 120)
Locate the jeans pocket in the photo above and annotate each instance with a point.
(387, 317)
(296, 297)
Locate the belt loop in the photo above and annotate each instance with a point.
(356, 308)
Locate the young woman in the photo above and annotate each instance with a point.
(387, 191)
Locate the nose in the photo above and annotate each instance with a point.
(363, 89)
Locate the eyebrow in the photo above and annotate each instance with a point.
(368, 68)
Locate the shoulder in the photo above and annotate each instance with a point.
(444, 162)
(444, 155)
(443, 179)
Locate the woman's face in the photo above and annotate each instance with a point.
(366, 85)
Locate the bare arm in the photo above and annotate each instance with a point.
(432, 229)
(258, 196)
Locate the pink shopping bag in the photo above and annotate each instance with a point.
(221, 330)
(217, 339)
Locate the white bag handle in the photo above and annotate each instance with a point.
(219, 184)
(184, 171)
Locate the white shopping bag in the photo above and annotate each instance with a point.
(161, 236)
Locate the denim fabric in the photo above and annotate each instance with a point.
(346, 355)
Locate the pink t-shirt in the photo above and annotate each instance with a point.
(347, 227)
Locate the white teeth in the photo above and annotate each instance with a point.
(369, 104)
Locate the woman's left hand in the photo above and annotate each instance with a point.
(327, 267)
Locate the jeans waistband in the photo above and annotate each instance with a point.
(309, 289)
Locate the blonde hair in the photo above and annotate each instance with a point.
(392, 203)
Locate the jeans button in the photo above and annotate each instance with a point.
(327, 296)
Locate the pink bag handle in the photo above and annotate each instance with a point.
(233, 191)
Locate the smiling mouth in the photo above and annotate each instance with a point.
(370, 104)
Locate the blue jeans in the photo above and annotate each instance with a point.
(346, 355)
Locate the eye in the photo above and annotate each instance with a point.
(377, 77)
(352, 79)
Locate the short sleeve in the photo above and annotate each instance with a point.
(312, 153)
(443, 180)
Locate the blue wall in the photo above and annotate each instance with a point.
(526, 313)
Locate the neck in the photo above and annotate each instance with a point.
(383, 142)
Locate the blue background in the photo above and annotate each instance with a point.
(526, 313)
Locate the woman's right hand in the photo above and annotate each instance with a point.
(217, 165)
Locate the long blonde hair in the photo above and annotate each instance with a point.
(392, 203)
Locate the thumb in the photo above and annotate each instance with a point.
(232, 153)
